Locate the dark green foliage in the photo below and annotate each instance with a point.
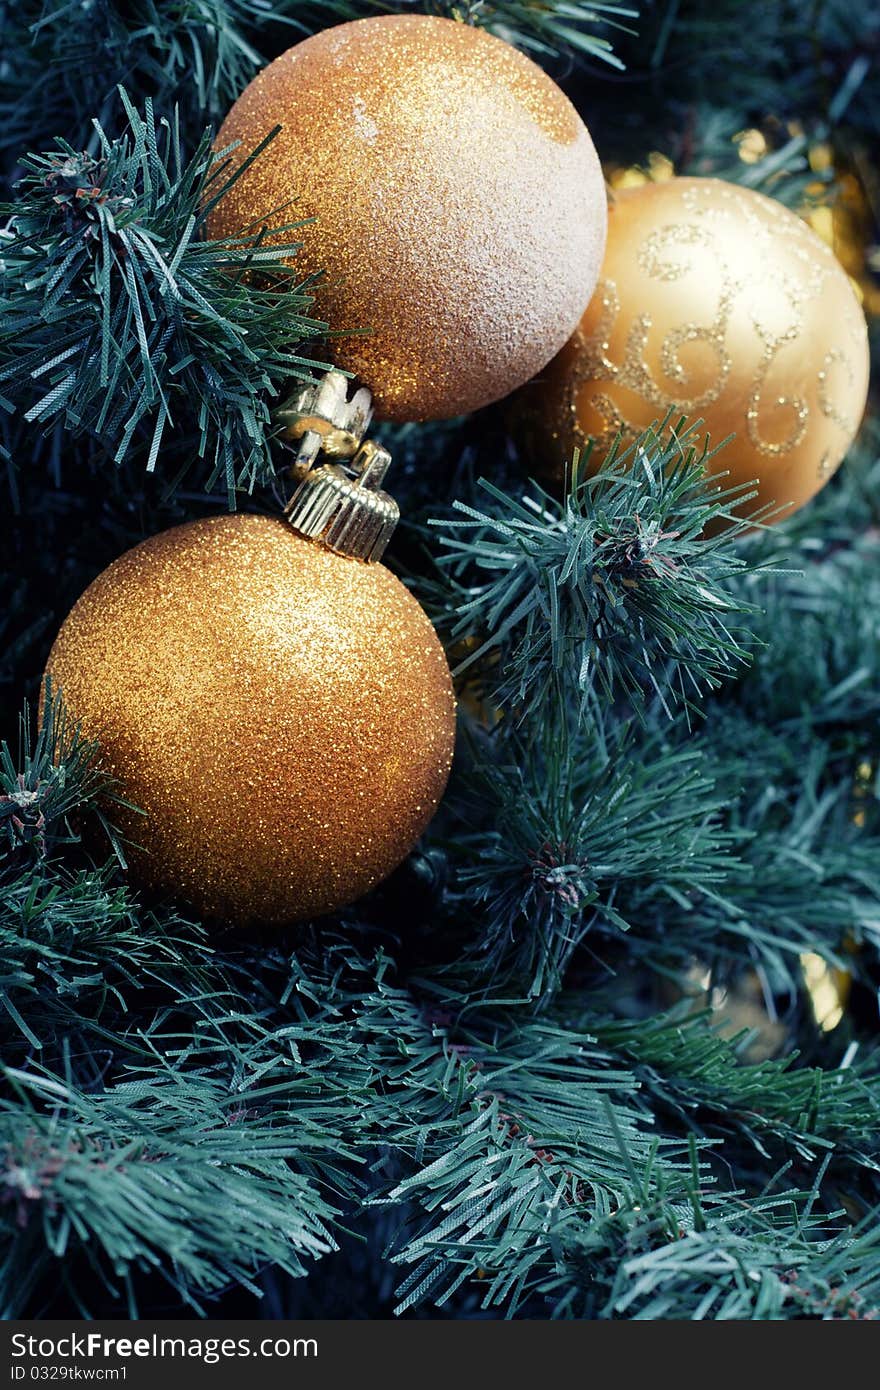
(72, 947)
(164, 1176)
(65, 61)
(53, 776)
(616, 589)
(507, 1083)
(73, 944)
(119, 317)
(778, 1104)
(575, 829)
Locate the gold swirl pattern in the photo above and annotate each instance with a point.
(718, 302)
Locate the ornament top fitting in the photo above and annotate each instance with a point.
(340, 505)
(319, 418)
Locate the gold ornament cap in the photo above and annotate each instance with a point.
(350, 515)
(319, 418)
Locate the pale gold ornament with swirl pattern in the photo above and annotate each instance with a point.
(722, 304)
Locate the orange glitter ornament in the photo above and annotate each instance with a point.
(459, 207)
(283, 714)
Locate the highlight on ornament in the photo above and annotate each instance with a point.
(459, 208)
(271, 696)
(722, 304)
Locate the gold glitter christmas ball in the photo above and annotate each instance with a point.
(459, 206)
(284, 715)
(720, 303)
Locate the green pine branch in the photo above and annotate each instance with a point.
(123, 322)
(153, 1176)
(52, 776)
(616, 590)
(691, 1071)
(778, 1257)
(567, 830)
(67, 60)
(522, 1206)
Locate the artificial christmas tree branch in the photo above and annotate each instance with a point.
(597, 821)
(135, 325)
(617, 587)
(514, 1080)
(139, 1177)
